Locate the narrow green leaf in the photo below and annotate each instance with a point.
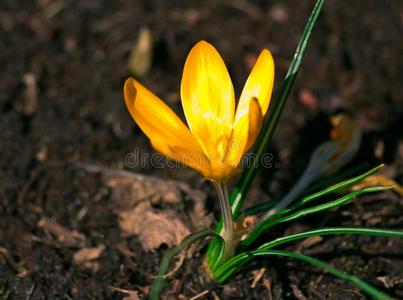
(364, 286)
(260, 207)
(329, 190)
(269, 125)
(233, 265)
(269, 223)
(337, 187)
(338, 177)
(332, 189)
(331, 231)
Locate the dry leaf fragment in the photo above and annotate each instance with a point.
(129, 189)
(125, 251)
(132, 195)
(309, 242)
(141, 54)
(308, 99)
(390, 281)
(87, 254)
(67, 237)
(153, 228)
(86, 257)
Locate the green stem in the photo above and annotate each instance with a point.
(222, 191)
(227, 232)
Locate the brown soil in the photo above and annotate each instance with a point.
(63, 64)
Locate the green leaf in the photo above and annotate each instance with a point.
(328, 190)
(269, 125)
(331, 231)
(339, 176)
(318, 195)
(364, 286)
(260, 207)
(269, 223)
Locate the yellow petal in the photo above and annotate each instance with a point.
(252, 106)
(245, 132)
(222, 174)
(195, 160)
(168, 134)
(259, 84)
(255, 123)
(208, 99)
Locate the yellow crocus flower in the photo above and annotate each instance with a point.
(217, 135)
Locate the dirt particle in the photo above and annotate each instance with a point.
(65, 237)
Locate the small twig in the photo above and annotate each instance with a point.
(215, 296)
(30, 291)
(33, 176)
(124, 291)
(199, 295)
(297, 292)
(267, 285)
(258, 277)
(317, 281)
